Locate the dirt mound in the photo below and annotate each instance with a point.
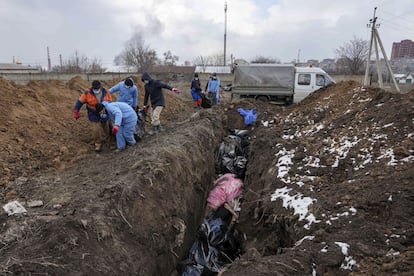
(328, 188)
(77, 84)
(38, 132)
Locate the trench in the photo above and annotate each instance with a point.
(230, 160)
(230, 157)
(192, 178)
(138, 216)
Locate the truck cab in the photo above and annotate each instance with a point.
(309, 79)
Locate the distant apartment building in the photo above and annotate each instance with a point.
(328, 64)
(403, 49)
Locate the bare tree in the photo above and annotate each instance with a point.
(262, 59)
(211, 60)
(94, 66)
(202, 61)
(217, 59)
(80, 64)
(353, 55)
(137, 55)
(169, 58)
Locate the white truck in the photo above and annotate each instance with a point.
(277, 82)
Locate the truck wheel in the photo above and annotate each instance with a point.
(289, 100)
(262, 98)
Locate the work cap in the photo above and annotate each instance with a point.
(96, 84)
(129, 82)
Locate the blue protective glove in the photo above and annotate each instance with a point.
(248, 114)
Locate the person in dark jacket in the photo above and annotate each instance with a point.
(153, 92)
(196, 92)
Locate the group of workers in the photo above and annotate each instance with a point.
(212, 90)
(121, 115)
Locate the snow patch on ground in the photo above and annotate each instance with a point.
(348, 262)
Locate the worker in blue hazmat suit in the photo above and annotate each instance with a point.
(213, 88)
(124, 120)
(128, 92)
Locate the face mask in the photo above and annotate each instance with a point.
(127, 86)
(146, 81)
(96, 91)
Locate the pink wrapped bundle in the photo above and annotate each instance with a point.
(226, 188)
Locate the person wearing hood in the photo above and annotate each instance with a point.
(213, 88)
(123, 118)
(128, 92)
(196, 92)
(153, 93)
(91, 97)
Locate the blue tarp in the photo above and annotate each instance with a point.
(249, 115)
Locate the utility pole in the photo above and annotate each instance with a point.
(298, 60)
(375, 39)
(49, 63)
(61, 64)
(225, 32)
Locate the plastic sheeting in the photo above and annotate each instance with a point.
(140, 127)
(264, 75)
(218, 241)
(14, 207)
(249, 115)
(206, 102)
(217, 244)
(231, 154)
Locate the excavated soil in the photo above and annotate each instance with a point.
(328, 190)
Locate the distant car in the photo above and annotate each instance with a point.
(228, 87)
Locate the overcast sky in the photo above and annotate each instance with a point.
(282, 29)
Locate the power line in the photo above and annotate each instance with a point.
(396, 26)
(403, 14)
(400, 17)
(381, 4)
(376, 40)
(225, 31)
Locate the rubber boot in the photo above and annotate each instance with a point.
(160, 128)
(153, 130)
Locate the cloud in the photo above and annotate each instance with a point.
(279, 28)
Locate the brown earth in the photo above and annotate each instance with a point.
(349, 152)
